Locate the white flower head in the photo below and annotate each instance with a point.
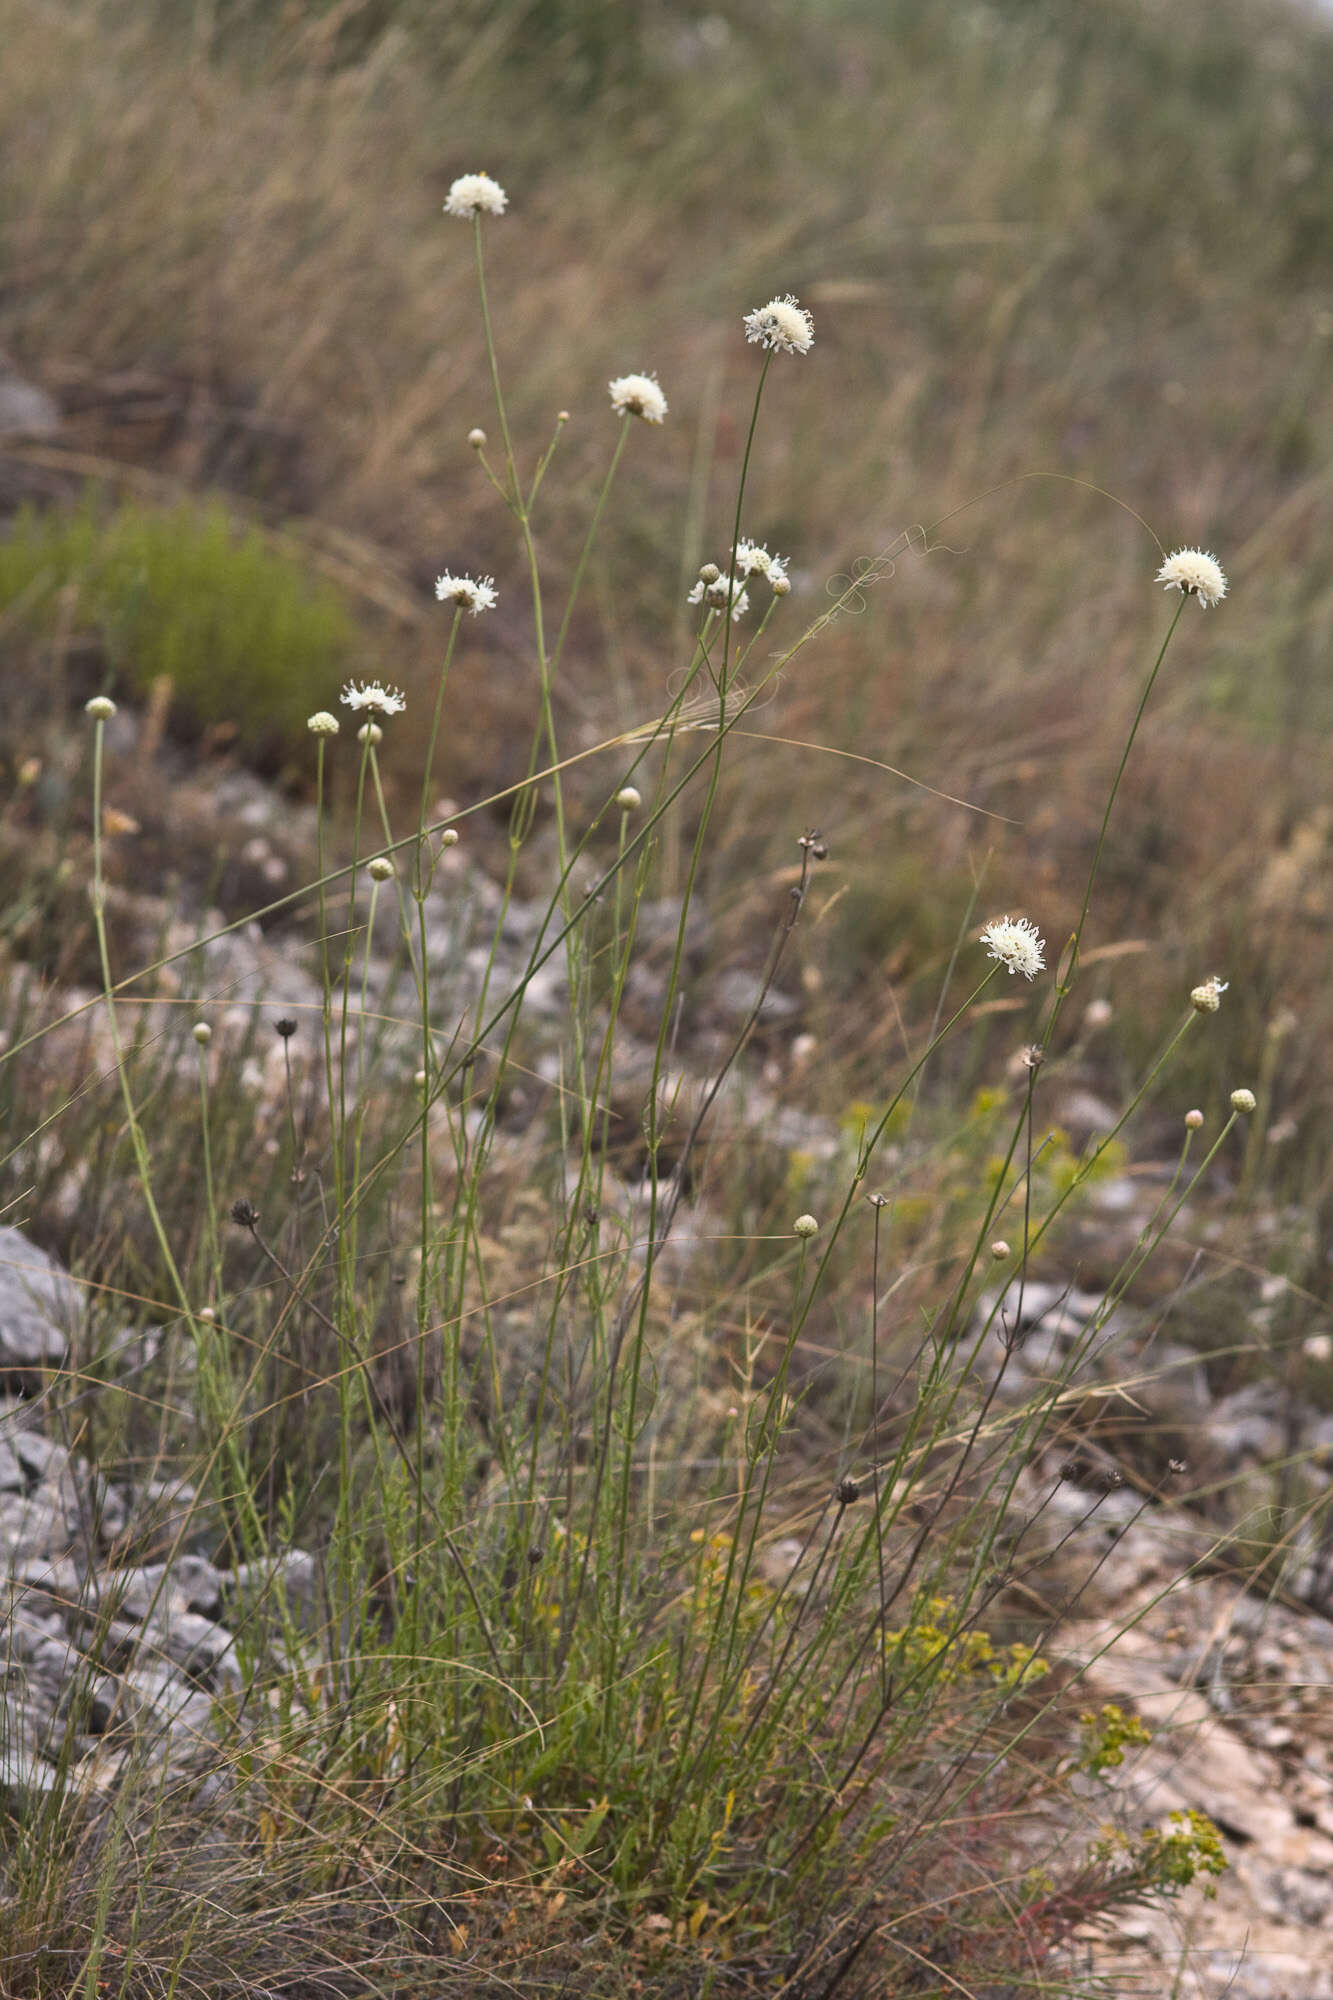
(469, 593)
(475, 194)
(1196, 574)
(753, 559)
(1015, 943)
(321, 723)
(782, 325)
(715, 595)
(372, 695)
(638, 396)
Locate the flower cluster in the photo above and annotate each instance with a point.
(475, 194)
(714, 591)
(638, 396)
(753, 559)
(469, 593)
(781, 325)
(1195, 574)
(372, 695)
(1015, 943)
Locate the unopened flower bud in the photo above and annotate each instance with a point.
(476, 437)
(709, 573)
(1000, 1250)
(370, 732)
(380, 869)
(1206, 999)
(1193, 1120)
(101, 708)
(202, 1033)
(629, 798)
(1242, 1100)
(449, 837)
(805, 1226)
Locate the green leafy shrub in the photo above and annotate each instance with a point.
(245, 635)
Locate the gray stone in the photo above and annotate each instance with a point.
(40, 1306)
(25, 410)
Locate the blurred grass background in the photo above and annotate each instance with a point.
(1037, 239)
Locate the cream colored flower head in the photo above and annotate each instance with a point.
(475, 194)
(715, 595)
(638, 396)
(469, 593)
(1196, 574)
(1015, 943)
(782, 325)
(370, 694)
(321, 723)
(753, 559)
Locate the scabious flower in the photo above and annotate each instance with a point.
(1206, 999)
(470, 593)
(374, 696)
(638, 396)
(753, 559)
(1194, 573)
(1015, 943)
(715, 594)
(782, 325)
(473, 194)
(321, 723)
(101, 708)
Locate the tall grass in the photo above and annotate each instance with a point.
(635, 1650)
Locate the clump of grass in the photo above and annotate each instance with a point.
(240, 632)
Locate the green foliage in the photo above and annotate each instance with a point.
(243, 632)
(1164, 1859)
(1105, 1736)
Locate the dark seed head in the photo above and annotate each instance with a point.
(848, 1490)
(286, 1027)
(244, 1213)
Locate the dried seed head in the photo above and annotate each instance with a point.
(847, 1492)
(285, 1027)
(244, 1213)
